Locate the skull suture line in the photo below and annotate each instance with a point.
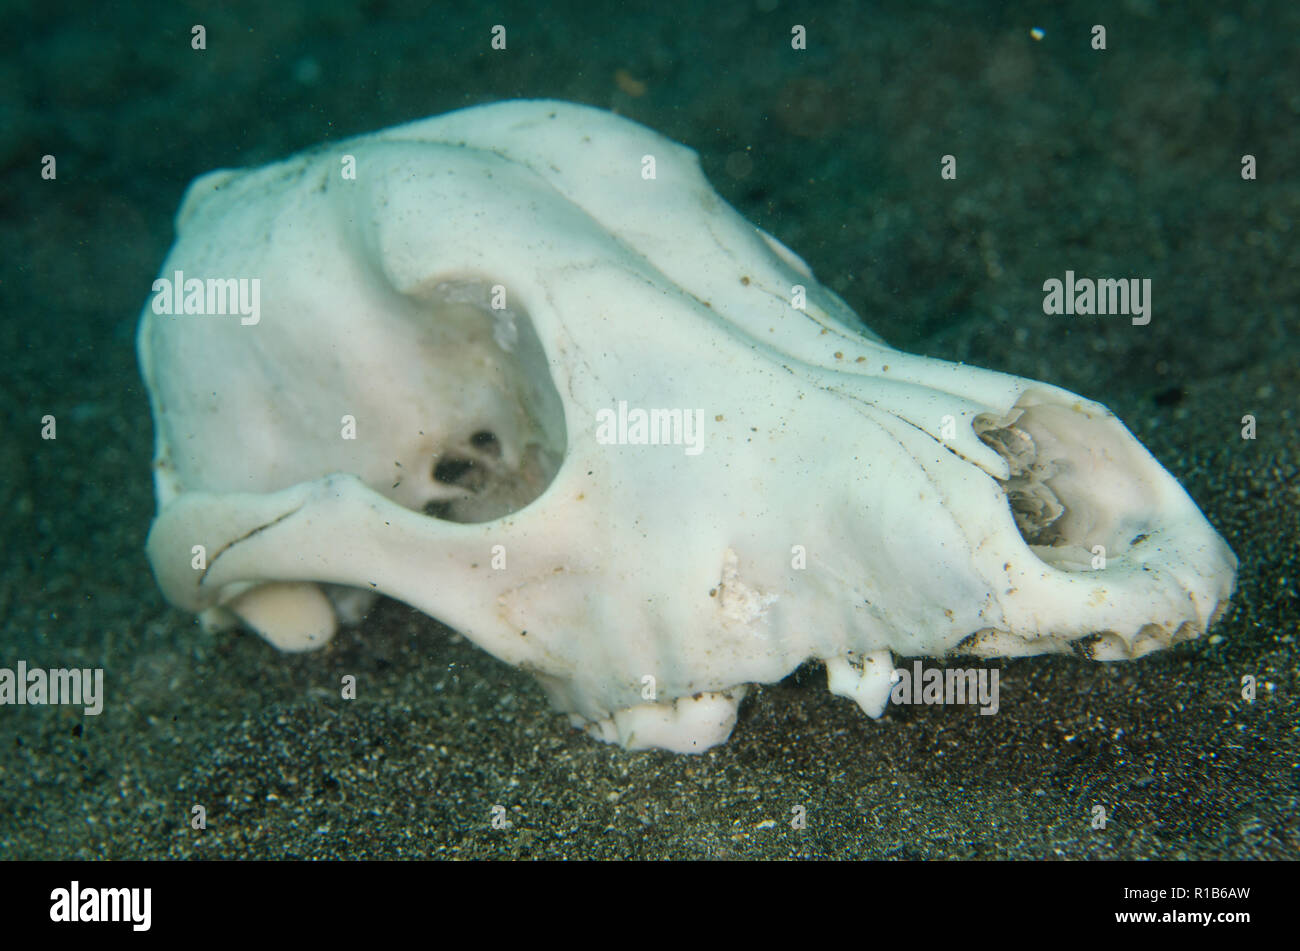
(496, 306)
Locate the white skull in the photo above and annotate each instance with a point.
(488, 306)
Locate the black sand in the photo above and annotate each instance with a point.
(1117, 163)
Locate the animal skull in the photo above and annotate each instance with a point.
(523, 369)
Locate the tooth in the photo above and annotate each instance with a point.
(866, 681)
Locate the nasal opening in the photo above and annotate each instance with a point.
(1077, 479)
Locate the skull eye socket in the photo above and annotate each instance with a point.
(501, 434)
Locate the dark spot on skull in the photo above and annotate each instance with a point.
(455, 471)
(1086, 646)
(437, 509)
(486, 443)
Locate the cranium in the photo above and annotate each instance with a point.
(521, 367)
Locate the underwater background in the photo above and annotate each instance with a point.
(1124, 163)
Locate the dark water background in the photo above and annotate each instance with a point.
(1117, 163)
